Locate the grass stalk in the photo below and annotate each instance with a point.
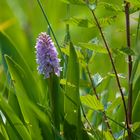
(46, 18)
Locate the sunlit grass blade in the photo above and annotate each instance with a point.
(3, 131)
(15, 122)
(72, 120)
(8, 48)
(31, 121)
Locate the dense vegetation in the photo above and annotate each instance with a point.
(96, 96)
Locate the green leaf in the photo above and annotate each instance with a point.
(3, 128)
(111, 7)
(65, 50)
(134, 2)
(56, 100)
(136, 90)
(81, 22)
(91, 4)
(82, 83)
(94, 47)
(114, 105)
(136, 111)
(91, 102)
(127, 51)
(31, 121)
(88, 23)
(135, 126)
(97, 79)
(107, 135)
(8, 48)
(135, 67)
(15, 122)
(72, 120)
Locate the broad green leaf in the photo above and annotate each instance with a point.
(31, 121)
(94, 47)
(8, 48)
(14, 120)
(45, 123)
(79, 22)
(13, 102)
(56, 100)
(72, 120)
(91, 102)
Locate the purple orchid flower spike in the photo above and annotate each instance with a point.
(47, 56)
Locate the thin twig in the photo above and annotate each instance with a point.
(113, 65)
(122, 126)
(129, 112)
(94, 89)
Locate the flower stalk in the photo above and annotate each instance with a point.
(114, 68)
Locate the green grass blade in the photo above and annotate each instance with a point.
(30, 119)
(14, 120)
(72, 118)
(3, 129)
(8, 48)
(56, 100)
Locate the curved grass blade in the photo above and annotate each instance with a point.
(8, 48)
(15, 122)
(28, 110)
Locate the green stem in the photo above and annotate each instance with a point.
(104, 114)
(53, 88)
(46, 18)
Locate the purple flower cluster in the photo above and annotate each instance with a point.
(47, 56)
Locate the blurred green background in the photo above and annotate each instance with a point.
(22, 21)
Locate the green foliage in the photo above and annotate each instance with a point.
(72, 123)
(65, 107)
(91, 102)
